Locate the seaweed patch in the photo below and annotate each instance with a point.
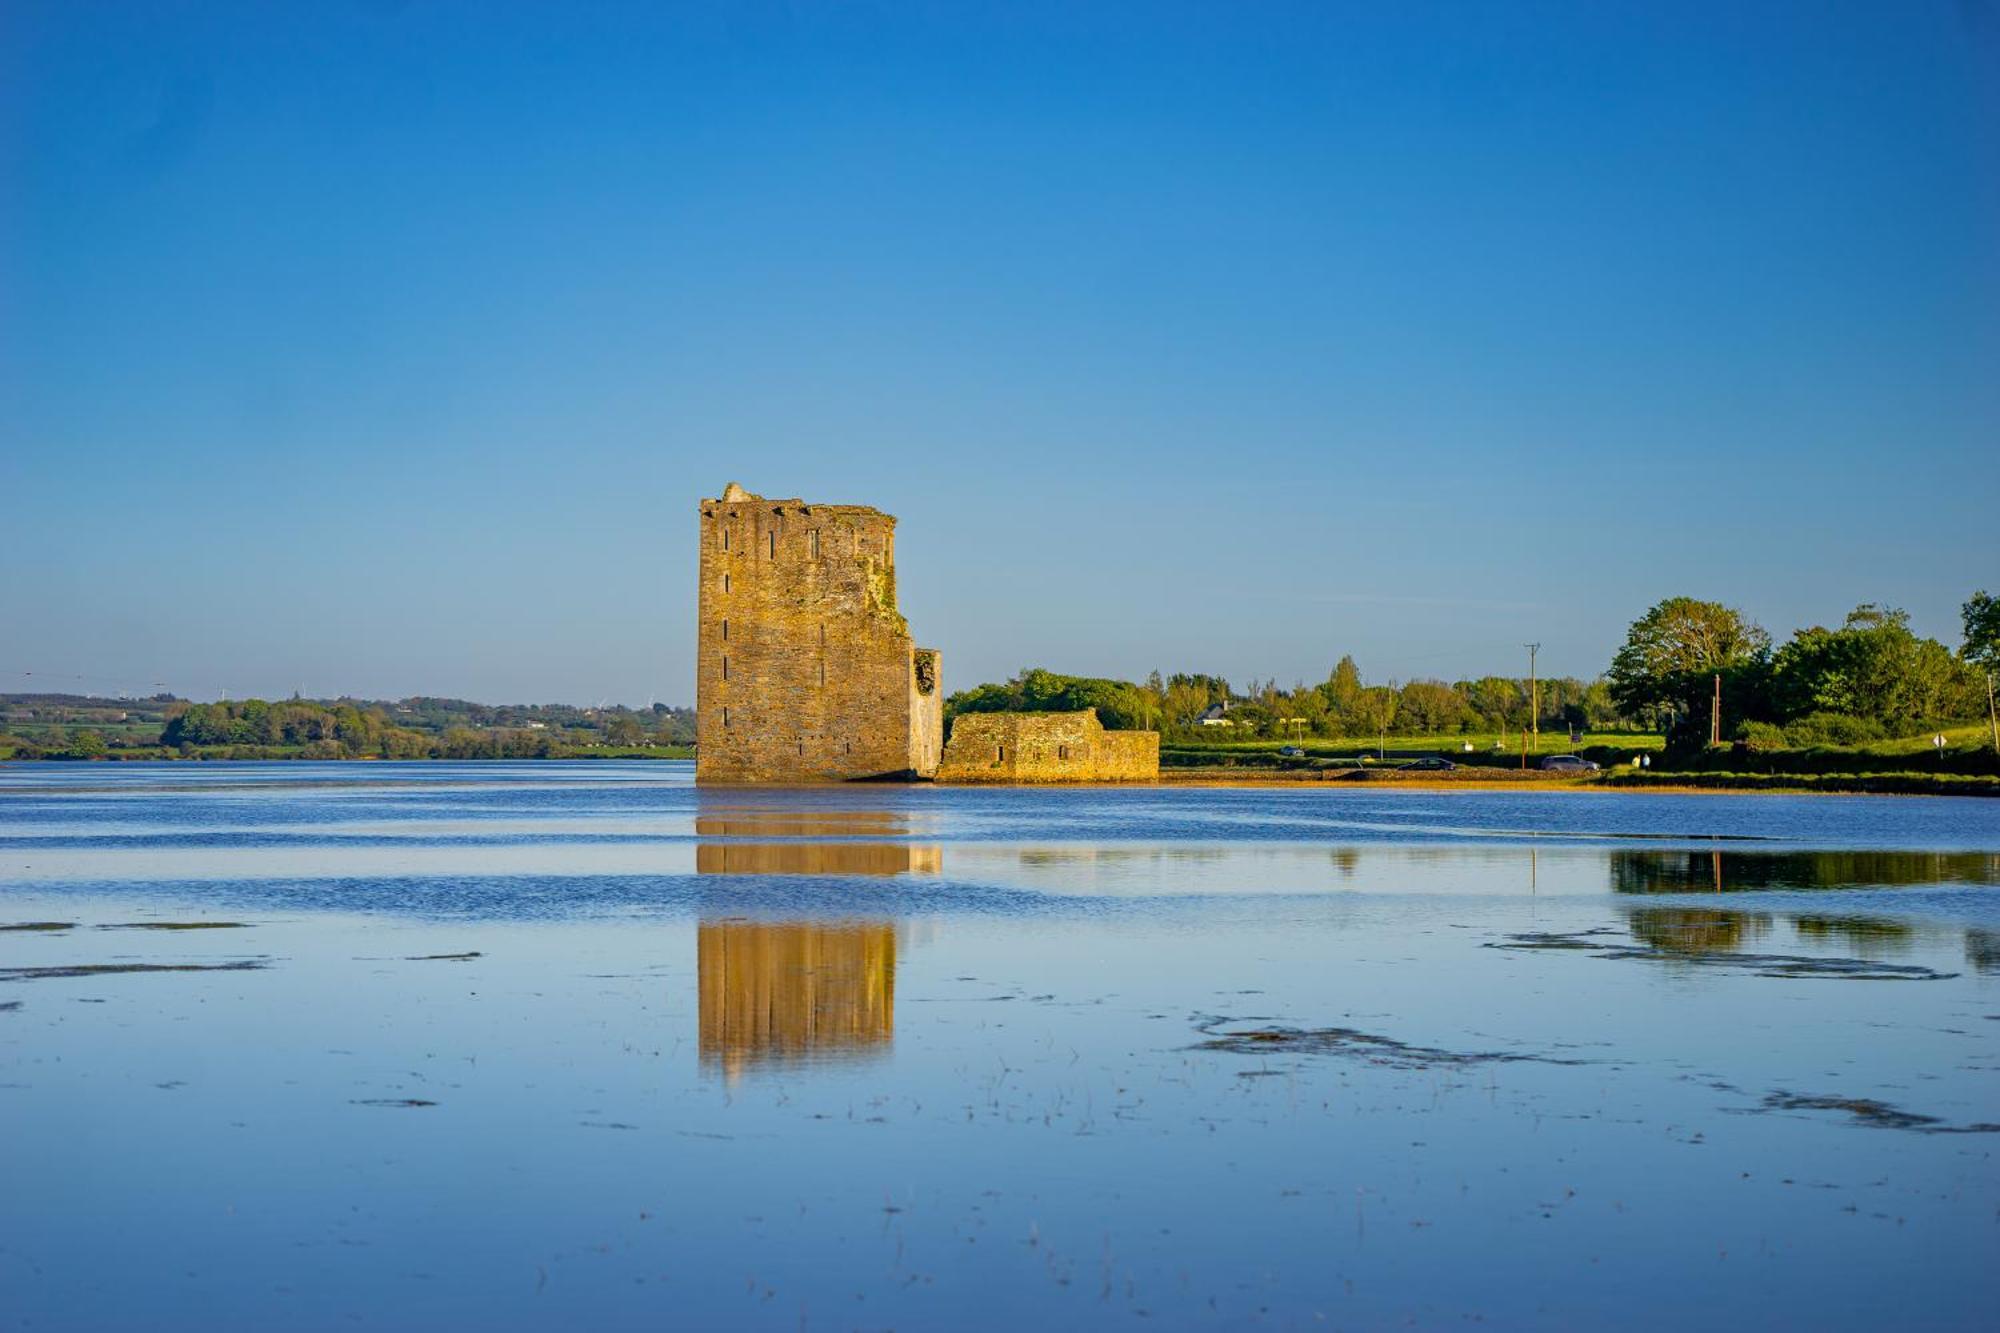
(1368, 1047)
(119, 969)
(1868, 1111)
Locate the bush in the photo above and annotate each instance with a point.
(1833, 729)
(1761, 737)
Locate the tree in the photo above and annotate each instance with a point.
(1497, 701)
(1873, 668)
(1981, 616)
(1343, 686)
(1670, 656)
(1120, 705)
(624, 729)
(1374, 709)
(1430, 706)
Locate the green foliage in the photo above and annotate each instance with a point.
(1981, 618)
(1903, 783)
(1763, 736)
(1430, 706)
(1120, 705)
(1665, 671)
(1831, 729)
(1874, 669)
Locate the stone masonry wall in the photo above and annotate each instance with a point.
(1046, 747)
(805, 671)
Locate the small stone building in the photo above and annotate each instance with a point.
(1046, 747)
(805, 669)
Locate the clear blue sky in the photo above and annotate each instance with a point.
(386, 348)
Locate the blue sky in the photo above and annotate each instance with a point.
(386, 348)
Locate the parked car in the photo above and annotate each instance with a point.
(1569, 763)
(1291, 752)
(1431, 765)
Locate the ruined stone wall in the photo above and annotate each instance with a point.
(1128, 756)
(1046, 747)
(926, 710)
(805, 671)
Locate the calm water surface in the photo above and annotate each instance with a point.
(575, 1045)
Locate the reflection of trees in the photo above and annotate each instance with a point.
(1740, 871)
(1982, 949)
(778, 992)
(1070, 856)
(1696, 929)
(1871, 937)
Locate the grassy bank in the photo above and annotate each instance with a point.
(1885, 783)
(1606, 747)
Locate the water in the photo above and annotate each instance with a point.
(576, 1045)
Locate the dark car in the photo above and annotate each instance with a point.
(1569, 763)
(1430, 765)
(1291, 752)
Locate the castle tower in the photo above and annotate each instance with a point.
(805, 669)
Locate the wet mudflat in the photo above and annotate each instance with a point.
(574, 1045)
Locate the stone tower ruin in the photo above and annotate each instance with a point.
(805, 669)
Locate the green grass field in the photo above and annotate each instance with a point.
(1448, 744)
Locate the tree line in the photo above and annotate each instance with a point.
(1870, 678)
(1341, 706)
(353, 729)
(1700, 670)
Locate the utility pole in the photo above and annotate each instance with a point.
(1715, 713)
(1534, 697)
(1992, 718)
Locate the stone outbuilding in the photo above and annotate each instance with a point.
(1046, 747)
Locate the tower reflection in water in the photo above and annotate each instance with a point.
(781, 993)
(775, 993)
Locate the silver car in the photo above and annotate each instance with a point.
(1569, 763)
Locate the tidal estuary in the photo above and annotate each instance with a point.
(576, 1045)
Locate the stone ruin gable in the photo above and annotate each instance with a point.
(1046, 747)
(1128, 756)
(805, 671)
(926, 710)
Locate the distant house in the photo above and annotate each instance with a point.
(1213, 716)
